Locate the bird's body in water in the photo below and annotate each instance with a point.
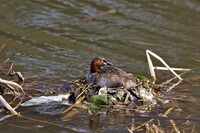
(103, 74)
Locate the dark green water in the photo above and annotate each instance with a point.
(52, 39)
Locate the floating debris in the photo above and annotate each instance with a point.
(14, 87)
(46, 100)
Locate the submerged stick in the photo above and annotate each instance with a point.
(111, 11)
(5, 117)
(193, 131)
(174, 126)
(165, 114)
(173, 78)
(174, 85)
(46, 122)
(10, 69)
(72, 106)
(2, 47)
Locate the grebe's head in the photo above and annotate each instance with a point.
(97, 63)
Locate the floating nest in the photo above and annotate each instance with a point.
(144, 92)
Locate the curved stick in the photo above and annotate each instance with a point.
(12, 83)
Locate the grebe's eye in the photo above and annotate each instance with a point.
(105, 62)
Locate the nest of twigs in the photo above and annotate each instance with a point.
(144, 92)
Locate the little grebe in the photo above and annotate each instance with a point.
(102, 73)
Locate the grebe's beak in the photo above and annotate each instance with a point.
(107, 63)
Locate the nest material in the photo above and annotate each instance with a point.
(144, 92)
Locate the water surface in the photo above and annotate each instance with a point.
(55, 41)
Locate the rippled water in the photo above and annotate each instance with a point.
(55, 41)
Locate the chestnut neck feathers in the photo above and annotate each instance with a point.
(97, 63)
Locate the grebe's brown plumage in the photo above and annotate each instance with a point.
(102, 73)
